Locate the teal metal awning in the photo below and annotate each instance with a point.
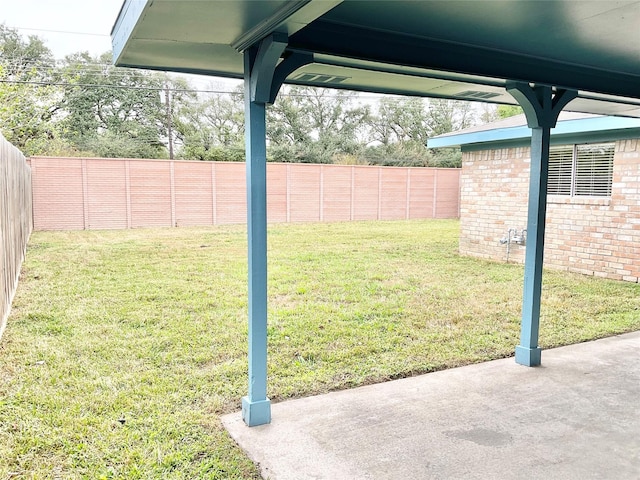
(464, 50)
(542, 55)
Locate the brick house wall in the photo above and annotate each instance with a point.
(590, 235)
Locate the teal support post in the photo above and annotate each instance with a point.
(528, 352)
(263, 76)
(256, 407)
(542, 107)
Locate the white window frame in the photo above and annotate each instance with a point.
(585, 179)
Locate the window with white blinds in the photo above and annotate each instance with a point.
(581, 170)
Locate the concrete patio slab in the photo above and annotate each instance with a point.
(575, 417)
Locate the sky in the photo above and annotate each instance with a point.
(88, 22)
(70, 26)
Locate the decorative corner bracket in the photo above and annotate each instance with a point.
(266, 71)
(541, 106)
(288, 65)
(263, 60)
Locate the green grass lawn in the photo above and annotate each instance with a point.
(125, 347)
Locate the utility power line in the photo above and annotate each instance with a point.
(125, 87)
(48, 67)
(161, 88)
(60, 31)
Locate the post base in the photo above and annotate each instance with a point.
(256, 413)
(528, 356)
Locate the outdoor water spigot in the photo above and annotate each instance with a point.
(520, 239)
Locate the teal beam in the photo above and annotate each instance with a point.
(263, 77)
(541, 107)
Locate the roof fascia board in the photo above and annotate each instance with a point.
(351, 41)
(589, 127)
(295, 14)
(190, 71)
(591, 137)
(124, 27)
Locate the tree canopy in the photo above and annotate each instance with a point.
(27, 101)
(110, 112)
(83, 105)
(315, 125)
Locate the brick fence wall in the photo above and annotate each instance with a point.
(83, 193)
(590, 235)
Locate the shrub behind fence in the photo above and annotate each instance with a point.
(15, 221)
(100, 193)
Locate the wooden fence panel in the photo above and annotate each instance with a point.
(16, 222)
(77, 193)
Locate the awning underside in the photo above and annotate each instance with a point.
(464, 50)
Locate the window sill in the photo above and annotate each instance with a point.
(566, 199)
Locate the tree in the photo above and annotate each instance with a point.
(23, 60)
(112, 112)
(28, 102)
(212, 128)
(315, 125)
(402, 126)
(400, 120)
(176, 96)
(446, 116)
(398, 132)
(492, 113)
(506, 111)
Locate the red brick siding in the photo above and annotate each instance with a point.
(589, 235)
(277, 195)
(304, 193)
(447, 204)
